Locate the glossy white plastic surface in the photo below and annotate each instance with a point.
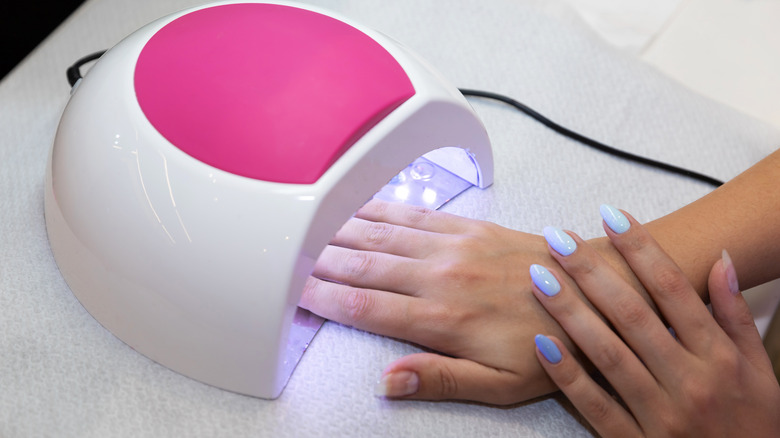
(199, 269)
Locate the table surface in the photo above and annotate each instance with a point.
(62, 374)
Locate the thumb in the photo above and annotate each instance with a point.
(429, 376)
(732, 313)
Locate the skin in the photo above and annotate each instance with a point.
(449, 283)
(713, 379)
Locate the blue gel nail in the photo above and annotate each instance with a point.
(544, 280)
(615, 219)
(561, 242)
(548, 348)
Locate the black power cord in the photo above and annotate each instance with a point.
(74, 75)
(590, 142)
(74, 71)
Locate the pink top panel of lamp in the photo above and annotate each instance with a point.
(269, 92)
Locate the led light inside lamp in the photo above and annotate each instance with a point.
(425, 184)
(204, 163)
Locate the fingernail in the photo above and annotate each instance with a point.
(561, 242)
(615, 219)
(397, 384)
(548, 348)
(731, 273)
(544, 280)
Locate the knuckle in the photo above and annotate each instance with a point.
(415, 214)
(358, 264)
(744, 321)
(448, 384)
(465, 243)
(631, 311)
(455, 274)
(440, 315)
(439, 325)
(373, 208)
(309, 293)
(700, 392)
(670, 281)
(378, 233)
(460, 264)
(741, 320)
(485, 230)
(608, 357)
(357, 305)
(597, 409)
(726, 360)
(378, 207)
(702, 398)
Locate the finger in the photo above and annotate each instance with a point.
(666, 284)
(619, 303)
(627, 374)
(429, 376)
(382, 313)
(386, 238)
(602, 411)
(372, 270)
(411, 216)
(733, 314)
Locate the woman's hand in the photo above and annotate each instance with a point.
(713, 378)
(455, 285)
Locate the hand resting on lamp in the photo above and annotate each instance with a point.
(461, 287)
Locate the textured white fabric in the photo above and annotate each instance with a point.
(62, 374)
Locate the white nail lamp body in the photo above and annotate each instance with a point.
(205, 161)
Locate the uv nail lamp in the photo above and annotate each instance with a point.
(205, 161)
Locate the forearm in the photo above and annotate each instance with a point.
(742, 216)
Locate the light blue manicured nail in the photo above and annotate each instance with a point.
(548, 348)
(544, 280)
(559, 240)
(615, 219)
